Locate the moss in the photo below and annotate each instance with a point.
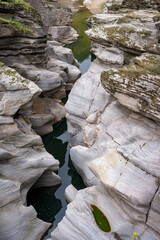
(114, 7)
(17, 26)
(15, 78)
(124, 19)
(21, 4)
(1, 64)
(102, 6)
(150, 63)
(129, 57)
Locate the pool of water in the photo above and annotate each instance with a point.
(49, 202)
(81, 48)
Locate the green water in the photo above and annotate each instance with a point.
(49, 202)
(100, 219)
(81, 48)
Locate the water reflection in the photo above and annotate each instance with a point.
(45, 203)
(81, 48)
(49, 202)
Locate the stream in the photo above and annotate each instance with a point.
(49, 202)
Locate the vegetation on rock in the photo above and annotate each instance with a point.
(17, 26)
(20, 4)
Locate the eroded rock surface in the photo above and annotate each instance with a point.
(23, 159)
(115, 137)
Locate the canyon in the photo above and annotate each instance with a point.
(113, 115)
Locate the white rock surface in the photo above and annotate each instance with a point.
(79, 222)
(23, 160)
(116, 148)
(15, 91)
(70, 193)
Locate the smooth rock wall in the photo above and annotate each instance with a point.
(115, 139)
(23, 160)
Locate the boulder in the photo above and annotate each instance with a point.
(79, 222)
(46, 112)
(63, 34)
(137, 85)
(133, 32)
(15, 91)
(23, 159)
(110, 146)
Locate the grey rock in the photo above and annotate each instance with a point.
(137, 85)
(79, 222)
(63, 34)
(46, 80)
(61, 53)
(15, 91)
(134, 32)
(100, 126)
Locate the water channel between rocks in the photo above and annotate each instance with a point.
(49, 202)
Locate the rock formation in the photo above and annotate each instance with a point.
(23, 159)
(113, 118)
(29, 99)
(27, 43)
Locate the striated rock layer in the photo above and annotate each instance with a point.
(113, 118)
(30, 99)
(27, 44)
(23, 159)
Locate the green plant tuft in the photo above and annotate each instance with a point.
(17, 26)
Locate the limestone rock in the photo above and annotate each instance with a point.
(70, 193)
(14, 222)
(46, 80)
(110, 55)
(46, 112)
(15, 91)
(72, 73)
(51, 13)
(134, 32)
(23, 159)
(61, 53)
(63, 34)
(154, 212)
(79, 222)
(113, 5)
(136, 140)
(137, 85)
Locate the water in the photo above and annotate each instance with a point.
(49, 202)
(81, 48)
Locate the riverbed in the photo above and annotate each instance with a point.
(49, 202)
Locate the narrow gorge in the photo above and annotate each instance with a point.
(112, 116)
